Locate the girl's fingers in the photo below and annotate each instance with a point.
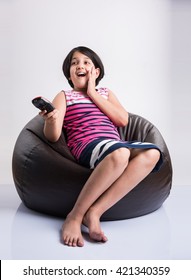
(91, 71)
(44, 112)
(46, 115)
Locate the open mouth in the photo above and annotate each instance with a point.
(81, 74)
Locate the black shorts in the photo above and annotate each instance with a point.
(98, 149)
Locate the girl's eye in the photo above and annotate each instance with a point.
(75, 62)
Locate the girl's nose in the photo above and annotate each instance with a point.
(80, 66)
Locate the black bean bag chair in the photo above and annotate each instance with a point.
(49, 180)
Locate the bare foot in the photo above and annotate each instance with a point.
(92, 221)
(71, 232)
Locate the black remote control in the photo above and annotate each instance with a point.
(43, 104)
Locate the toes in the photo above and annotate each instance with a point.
(73, 242)
(80, 243)
(104, 238)
(66, 240)
(100, 237)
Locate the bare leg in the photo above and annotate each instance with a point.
(107, 172)
(109, 182)
(139, 167)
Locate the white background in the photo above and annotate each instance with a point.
(145, 46)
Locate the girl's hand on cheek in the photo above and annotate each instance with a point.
(91, 80)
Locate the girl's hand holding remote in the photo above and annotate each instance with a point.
(49, 117)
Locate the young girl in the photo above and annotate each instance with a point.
(90, 118)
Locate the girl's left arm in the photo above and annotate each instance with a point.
(111, 107)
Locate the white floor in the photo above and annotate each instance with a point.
(164, 234)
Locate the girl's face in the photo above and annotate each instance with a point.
(80, 67)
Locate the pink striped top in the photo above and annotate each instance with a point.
(85, 122)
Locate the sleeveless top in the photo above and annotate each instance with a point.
(84, 122)
(91, 135)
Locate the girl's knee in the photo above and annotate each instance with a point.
(152, 156)
(120, 157)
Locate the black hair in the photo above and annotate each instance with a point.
(89, 53)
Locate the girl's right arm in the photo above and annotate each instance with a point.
(54, 120)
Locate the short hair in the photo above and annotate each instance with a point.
(89, 53)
